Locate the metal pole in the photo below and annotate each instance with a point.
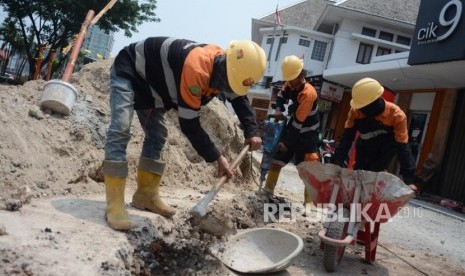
(77, 46)
(49, 65)
(39, 59)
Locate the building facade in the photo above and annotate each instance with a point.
(375, 38)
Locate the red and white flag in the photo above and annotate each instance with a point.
(277, 18)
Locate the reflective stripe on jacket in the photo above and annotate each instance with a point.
(381, 138)
(391, 120)
(175, 73)
(303, 126)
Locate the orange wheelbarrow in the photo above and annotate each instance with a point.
(352, 198)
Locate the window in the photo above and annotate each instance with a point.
(283, 39)
(386, 36)
(368, 32)
(403, 40)
(364, 53)
(381, 51)
(319, 50)
(304, 42)
(269, 40)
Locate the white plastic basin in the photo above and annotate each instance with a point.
(58, 96)
(259, 250)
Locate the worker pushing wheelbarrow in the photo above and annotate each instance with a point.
(357, 202)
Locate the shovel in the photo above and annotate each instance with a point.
(210, 223)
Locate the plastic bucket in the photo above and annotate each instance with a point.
(58, 96)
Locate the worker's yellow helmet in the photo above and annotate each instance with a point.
(291, 67)
(244, 60)
(365, 91)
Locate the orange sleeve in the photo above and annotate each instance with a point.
(351, 116)
(306, 101)
(399, 124)
(196, 74)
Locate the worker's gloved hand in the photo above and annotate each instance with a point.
(224, 168)
(254, 142)
(278, 115)
(414, 188)
(282, 147)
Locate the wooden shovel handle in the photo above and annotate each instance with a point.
(201, 208)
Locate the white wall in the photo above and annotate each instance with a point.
(422, 101)
(346, 46)
(292, 47)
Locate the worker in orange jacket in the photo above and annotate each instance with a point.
(383, 132)
(300, 138)
(160, 73)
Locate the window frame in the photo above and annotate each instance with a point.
(318, 51)
(362, 57)
(386, 36)
(382, 51)
(366, 31)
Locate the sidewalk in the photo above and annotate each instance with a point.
(438, 208)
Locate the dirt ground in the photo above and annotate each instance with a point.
(52, 195)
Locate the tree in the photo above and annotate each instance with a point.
(55, 22)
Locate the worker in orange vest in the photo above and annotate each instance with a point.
(301, 134)
(383, 132)
(160, 73)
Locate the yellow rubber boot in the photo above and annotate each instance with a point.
(307, 197)
(271, 181)
(147, 195)
(115, 214)
(311, 157)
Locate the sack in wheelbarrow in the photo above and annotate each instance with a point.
(378, 189)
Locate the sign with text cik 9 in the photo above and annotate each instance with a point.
(440, 32)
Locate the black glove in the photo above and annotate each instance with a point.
(340, 160)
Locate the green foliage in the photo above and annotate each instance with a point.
(29, 23)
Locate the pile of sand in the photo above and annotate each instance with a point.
(52, 155)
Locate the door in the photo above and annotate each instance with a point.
(417, 129)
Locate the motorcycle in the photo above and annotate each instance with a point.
(327, 149)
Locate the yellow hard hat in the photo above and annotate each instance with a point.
(364, 92)
(291, 67)
(244, 60)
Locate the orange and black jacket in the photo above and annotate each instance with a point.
(176, 73)
(303, 126)
(381, 138)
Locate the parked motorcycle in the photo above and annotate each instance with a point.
(327, 151)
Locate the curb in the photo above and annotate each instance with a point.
(438, 209)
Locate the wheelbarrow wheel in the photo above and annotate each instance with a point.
(333, 254)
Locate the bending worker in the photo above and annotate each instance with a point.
(160, 73)
(383, 132)
(300, 138)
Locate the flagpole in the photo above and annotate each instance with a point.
(276, 22)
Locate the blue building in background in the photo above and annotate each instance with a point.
(98, 43)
